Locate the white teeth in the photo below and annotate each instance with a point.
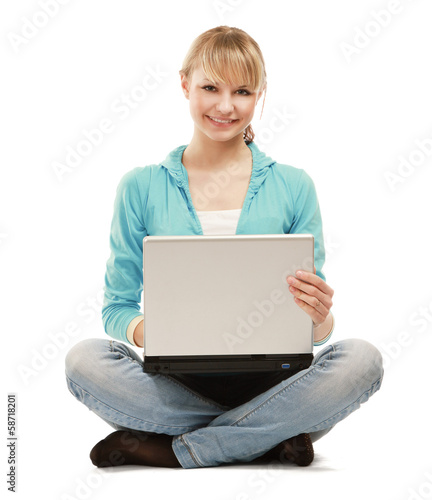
(220, 121)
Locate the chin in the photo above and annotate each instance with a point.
(219, 138)
(222, 135)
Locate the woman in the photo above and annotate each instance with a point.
(199, 420)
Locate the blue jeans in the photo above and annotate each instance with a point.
(229, 418)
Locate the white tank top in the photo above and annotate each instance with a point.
(219, 221)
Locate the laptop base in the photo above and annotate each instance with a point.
(222, 364)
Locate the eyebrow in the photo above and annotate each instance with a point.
(216, 83)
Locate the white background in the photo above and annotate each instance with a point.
(351, 119)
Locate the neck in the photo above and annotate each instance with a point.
(210, 155)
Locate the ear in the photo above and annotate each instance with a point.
(184, 85)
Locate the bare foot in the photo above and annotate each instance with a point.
(127, 448)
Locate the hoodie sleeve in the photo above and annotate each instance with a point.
(124, 268)
(307, 218)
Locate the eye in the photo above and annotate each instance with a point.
(211, 88)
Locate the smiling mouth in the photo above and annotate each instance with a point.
(220, 120)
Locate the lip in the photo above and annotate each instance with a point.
(221, 125)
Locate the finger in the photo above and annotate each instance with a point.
(312, 301)
(315, 280)
(301, 288)
(316, 316)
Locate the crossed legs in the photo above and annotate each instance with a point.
(173, 425)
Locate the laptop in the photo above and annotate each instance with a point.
(221, 303)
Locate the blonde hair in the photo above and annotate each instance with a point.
(228, 55)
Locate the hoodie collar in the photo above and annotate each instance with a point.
(260, 164)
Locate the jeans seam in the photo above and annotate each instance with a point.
(195, 459)
(260, 406)
(117, 411)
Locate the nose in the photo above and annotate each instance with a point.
(225, 105)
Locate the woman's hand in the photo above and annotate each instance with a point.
(312, 294)
(138, 336)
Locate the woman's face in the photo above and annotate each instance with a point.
(219, 110)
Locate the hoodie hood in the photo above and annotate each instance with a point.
(260, 166)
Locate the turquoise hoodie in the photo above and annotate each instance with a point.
(155, 200)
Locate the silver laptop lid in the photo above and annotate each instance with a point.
(218, 295)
